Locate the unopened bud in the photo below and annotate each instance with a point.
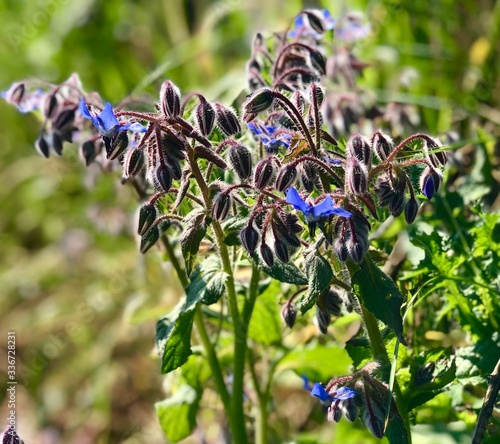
(264, 173)
(116, 146)
(162, 178)
(222, 204)
(170, 99)
(429, 182)
(267, 254)
(258, 102)
(289, 314)
(227, 120)
(315, 20)
(437, 159)
(411, 210)
(89, 152)
(359, 147)
(204, 114)
(249, 238)
(356, 176)
(42, 145)
(241, 160)
(382, 145)
(133, 162)
(323, 319)
(147, 216)
(149, 239)
(308, 175)
(286, 177)
(330, 302)
(281, 250)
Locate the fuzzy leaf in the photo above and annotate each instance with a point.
(380, 295)
(207, 282)
(320, 276)
(282, 272)
(177, 414)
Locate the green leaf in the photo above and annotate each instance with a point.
(207, 282)
(177, 414)
(320, 276)
(378, 293)
(476, 362)
(192, 236)
(265, 324)
(173, 338)
(318, 362)
(232, 228)
(396, 431)
(282, 272)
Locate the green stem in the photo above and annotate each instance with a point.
(236, 415)
(261, 429)
(380, 354)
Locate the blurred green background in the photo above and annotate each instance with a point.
(82, 301)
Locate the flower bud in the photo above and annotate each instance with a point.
(57, 143)
(350, 409)
(162, 178)
(50, 105)
(317, 93)
(429, 182)
(89, 152)
(116, 146)
(374, 422)
(334, 412)
(411, 210)
(286, 177)
(398, 204)
(425, 374)
(308, 175)
(42, 145)
(382, 145)
(249, 238)
(341, 250)
(359, 147)
(437, 159)
(315, 20)
(323, 320)
(330, 302)
(149, 239)
(318, 61)
(264, 173)
(222, 204)
(15, 93)
(241, 160)
(227, 120)
(256, 103)
(64, 119)
(281, 250)
(289, 314)
(170, 99)
(356, 176)
(298, 100)
(204, 115)
(398, 179)
(147, 216)
(266, 254)
(133, 162)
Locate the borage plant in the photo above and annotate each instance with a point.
(282, 212)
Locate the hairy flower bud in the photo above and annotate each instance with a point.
(88, 151)
(382, 145)
(42, 145)
(315, 20)
(50, 105)
(204, 115)
(398, 179)
(424, 374)
(170, 99)
(149, 239)
(222, 204)
(289, 314)
(411, 210)
(116, 147)
(256, 103)
(429, 182)
(286, 177)
(308, 175)
(266, 254)
(249, 238)
(359, 147)
(147, 216)
(330, 302)
(323, 320)
(316, 93)
(227, 120)
(437, 159)
(240, 159)
(281, 250)
(64, 119)
(133, 162)
(162, 178)
(356, 176)
(264, 173)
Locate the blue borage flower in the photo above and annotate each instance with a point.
(352, 28)
(271, 136)
(106, 122)
(313, 213)
(318, 391)
(301, 27)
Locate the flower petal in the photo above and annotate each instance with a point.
(345, 393)
(319, 392)
(108, 120)
(324, 208)
(293, 197)
(135, 127)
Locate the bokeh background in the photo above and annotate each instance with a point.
(82, 301)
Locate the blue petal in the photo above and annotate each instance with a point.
(135, 127)
(292, 197)
(429, 188)
(324, 208)
(108, 120)
(319, 391)
(254, 128)
(307, 384)
(345, 393)
(341, 212)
